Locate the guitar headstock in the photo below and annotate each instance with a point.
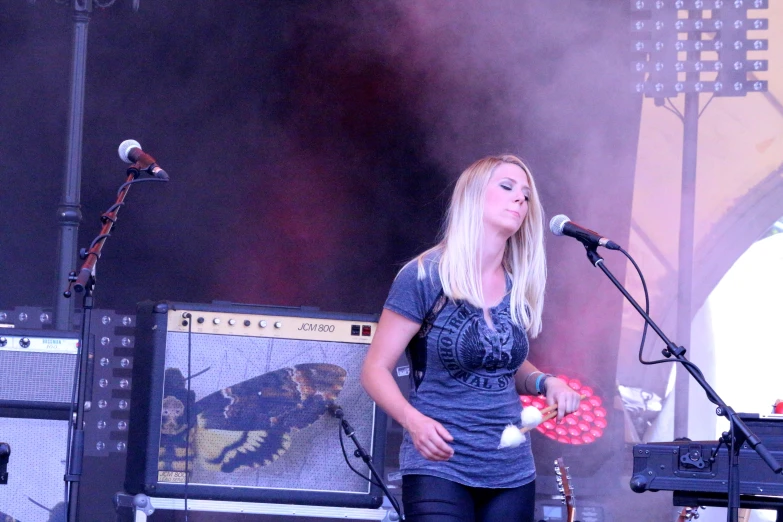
(565, 488)
(688, 513)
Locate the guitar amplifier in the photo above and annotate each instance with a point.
(35, 491)
(237, 403)
(37, 368)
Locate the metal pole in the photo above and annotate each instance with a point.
(690, 141)
(685, 264)
(69, 213)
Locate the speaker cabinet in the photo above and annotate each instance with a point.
(237, 402)
(36, 489)
(37, 368)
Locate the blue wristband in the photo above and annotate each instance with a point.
(539, 379)
(541, 383)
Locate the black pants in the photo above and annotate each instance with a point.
(433, 499)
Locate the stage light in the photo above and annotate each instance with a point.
(666, 30)
(584, 426)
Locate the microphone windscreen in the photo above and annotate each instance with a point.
(557, 223)
(125, 148)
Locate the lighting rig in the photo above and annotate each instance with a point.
(695, 46)
(692, 47)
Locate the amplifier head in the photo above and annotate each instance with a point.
(37, 367)
(233, 402)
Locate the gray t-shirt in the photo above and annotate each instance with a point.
(467, 384)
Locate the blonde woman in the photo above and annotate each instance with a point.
(463, 311)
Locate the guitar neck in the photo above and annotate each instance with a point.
(564, 486)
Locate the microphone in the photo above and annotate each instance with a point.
(561, 225)
(130, 152)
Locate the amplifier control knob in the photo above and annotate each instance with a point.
(24, 342)
(3, 341)
(216, 320)
(232, 322)
(278, 324)
(262, 324)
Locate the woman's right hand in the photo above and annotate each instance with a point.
(429, 436)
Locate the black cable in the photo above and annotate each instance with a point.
(138, 180)
(644, 330)
(705, 106)
(343, 425)
(187, 415)
(99, 237)
(673, 109)
(345, 456)
(105, 215)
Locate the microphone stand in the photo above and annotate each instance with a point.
(84, 281)
(360, 452)
(739, 432)
(5, 452)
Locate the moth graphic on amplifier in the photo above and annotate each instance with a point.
(246, 425)
(236, 402)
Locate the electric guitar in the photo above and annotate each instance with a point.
(565, 488)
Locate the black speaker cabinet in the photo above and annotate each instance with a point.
(237, 402)
(37, 368)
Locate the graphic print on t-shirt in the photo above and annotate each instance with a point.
(478, 356)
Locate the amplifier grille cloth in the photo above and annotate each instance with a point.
(36, 376)
(314, 460)
(35, 491)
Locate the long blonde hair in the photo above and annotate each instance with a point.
(524, 259)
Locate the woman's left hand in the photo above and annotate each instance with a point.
(560, 393)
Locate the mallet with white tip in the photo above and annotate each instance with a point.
(531, 417)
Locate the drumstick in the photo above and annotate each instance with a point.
(548, 413)
(513, 436)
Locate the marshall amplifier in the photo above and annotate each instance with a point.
(37, 368)
(236, 402)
